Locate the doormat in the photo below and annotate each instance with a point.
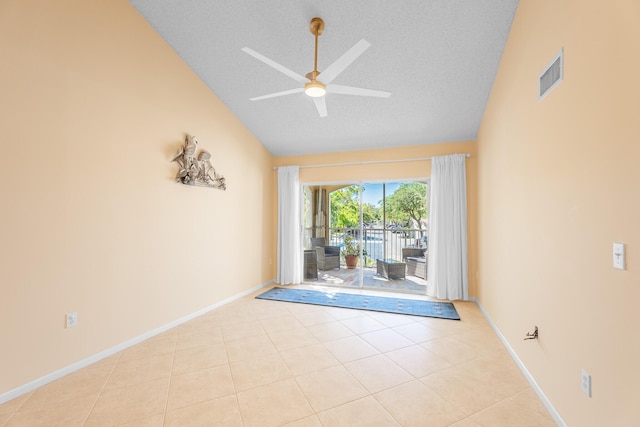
(443, 310)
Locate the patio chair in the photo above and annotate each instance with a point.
(310, 264)
(328, 256)
(416, 261)
(412, 252)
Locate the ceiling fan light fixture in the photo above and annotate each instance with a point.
(315, 89)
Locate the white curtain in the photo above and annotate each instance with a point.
(448, 270)
(289, 240)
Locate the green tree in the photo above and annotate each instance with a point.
(371, 213)
(408, 202)
(345, 208)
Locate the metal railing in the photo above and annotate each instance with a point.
(378, 243)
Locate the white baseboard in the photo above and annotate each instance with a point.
(30, 386)
(547, 403)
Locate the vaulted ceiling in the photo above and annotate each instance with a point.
(438, 58)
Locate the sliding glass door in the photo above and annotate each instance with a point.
(387, 221)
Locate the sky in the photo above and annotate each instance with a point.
(372, 193)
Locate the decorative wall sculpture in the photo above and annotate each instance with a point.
(196, 170)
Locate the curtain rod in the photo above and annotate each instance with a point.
(370, 162)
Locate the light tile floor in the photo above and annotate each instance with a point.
(266, 363)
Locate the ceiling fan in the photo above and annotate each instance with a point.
(314, 87)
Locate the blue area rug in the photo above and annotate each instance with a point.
(444, 310)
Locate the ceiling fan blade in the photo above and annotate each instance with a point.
(276, 94)
(284, 70)
(321, 106)
(349, 90)
(332, 71)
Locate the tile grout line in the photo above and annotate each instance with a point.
(106, 381)
(173, 362)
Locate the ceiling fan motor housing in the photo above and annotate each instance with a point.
(315, 89)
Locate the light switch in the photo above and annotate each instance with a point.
(618, 256)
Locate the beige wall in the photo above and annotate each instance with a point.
(93, 106)
(558, 184)
(395, 171)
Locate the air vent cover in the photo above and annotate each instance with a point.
(551, 76)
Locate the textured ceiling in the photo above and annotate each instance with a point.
(438, 58)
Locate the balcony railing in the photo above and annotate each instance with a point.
(379, 243)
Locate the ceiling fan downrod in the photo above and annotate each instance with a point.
(315, 88)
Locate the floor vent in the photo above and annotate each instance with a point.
(551, 76)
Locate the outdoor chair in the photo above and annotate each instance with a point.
(412, 252)
(416, 261)
(328, 256)
(310, 264)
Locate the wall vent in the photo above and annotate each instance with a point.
(551, 76)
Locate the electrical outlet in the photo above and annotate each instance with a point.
(586, 382)
(72, 319)
(618, 256)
